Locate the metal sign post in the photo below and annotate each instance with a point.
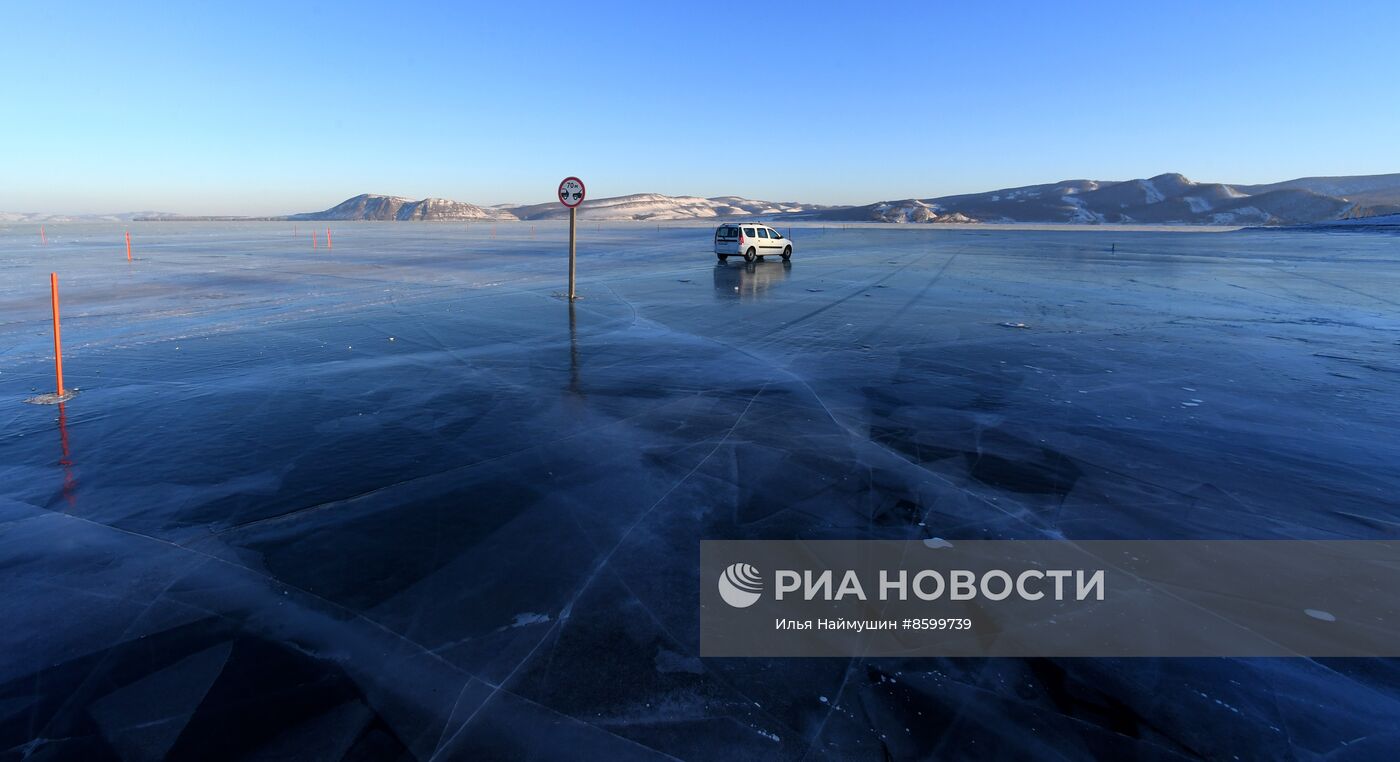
(571, 195)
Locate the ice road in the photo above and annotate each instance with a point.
(400, 500)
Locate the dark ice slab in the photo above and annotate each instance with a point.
(399, 500)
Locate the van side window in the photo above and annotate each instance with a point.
(776, 234)
(749, 232)
(763, 232)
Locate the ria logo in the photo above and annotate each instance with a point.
(740, 585)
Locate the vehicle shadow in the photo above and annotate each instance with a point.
(748, 281)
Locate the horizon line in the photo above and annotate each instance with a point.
(513, 204)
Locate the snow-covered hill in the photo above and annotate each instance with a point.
(655, 206)
(638, 206)
(908, 210)
(370, 206)
(1372, 194)
(1167, 198)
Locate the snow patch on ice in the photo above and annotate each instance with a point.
(529, 618)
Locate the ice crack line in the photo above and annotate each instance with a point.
(597, 568)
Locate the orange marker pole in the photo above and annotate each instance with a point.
(128, 245)
(57, 339)
(328, 240)
(43, 238)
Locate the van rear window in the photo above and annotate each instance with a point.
(727, 232)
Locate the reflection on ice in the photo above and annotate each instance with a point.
(747, 281)
(70, 484)
(575, 387)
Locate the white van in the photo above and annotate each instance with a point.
(750, 240)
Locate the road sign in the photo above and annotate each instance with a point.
(571, 195)
(571, 192)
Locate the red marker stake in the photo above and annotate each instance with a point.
(43, 238)
(313, 239)
(128, 245)
(328, 240)
(57, 339)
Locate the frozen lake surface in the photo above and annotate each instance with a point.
(398, 499)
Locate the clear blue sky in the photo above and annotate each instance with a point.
(253, 108)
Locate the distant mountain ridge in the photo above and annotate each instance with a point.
(638, 206)
(42, 217)
(655, 206)
(1166, 198)
(369, 206)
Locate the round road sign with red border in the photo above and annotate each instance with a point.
(571, 192)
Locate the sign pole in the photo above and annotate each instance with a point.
(573, 223)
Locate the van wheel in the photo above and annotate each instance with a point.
(750, 255)
(787, 253)
(723, 257)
